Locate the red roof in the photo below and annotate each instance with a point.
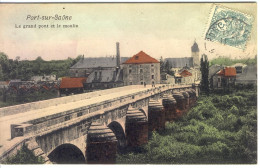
(185, 73)
(141, 58)
(228, 72)
(72, 83)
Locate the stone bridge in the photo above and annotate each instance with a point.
(92, 127)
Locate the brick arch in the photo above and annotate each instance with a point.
(67, 153)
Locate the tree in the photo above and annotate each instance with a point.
(161, 65)
(204, 68)
(1, 73)
(5, 65)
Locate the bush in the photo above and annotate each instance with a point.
(24, 156)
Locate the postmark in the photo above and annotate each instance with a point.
(229, 27)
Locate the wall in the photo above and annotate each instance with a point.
(141, 73)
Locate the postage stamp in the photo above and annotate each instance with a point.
(229, 27)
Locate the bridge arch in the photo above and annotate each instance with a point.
(143, 111)
(119, 132)
(67, 154)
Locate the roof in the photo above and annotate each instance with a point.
(228, 72)
(107, 75)
(214, 69)
(180, 62)
(141, 58)
(248, 74)
(94, 62)
(195, 47)
(72, 83)
(185, 73)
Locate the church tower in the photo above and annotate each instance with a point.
(195, 54)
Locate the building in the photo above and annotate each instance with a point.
(86, 66)
(71, 86)
(212, 74)
(193, 61)
(247, 76)
(177, 63)
(101, 72)
(167, 79)
(184, 77)
(239, 67)
(44, 78)
(141, 69)
(226, 77)
(104, 79)
(195, 54)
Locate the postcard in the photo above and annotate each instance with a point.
(128, 83)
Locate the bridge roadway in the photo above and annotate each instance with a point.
(6, 121)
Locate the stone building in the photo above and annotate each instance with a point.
(101, 72)
(195, 55)
(167, 79)
(141, 69)
(191, 62)
(247, 75)
(226, 77)
(86, 66)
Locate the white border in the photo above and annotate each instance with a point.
(150, 166)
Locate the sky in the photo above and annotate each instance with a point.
(159, 29)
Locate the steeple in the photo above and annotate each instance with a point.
(195, 54)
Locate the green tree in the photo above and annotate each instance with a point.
(204, 68)
(161, 65)
(5, 65)
(24, 156)
(1, 73)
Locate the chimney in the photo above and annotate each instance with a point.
(117, 55)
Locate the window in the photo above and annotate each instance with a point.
(142, 83)
(152, 70)
(95, 75)
(136, 57)
(152, 76)
(152, 65)
(141, 70)
(100, 74)
(130, 71)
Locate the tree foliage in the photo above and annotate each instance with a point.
(25, 69)
(24, 156)
(227, 61)
(204, 68)
(210, 133)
